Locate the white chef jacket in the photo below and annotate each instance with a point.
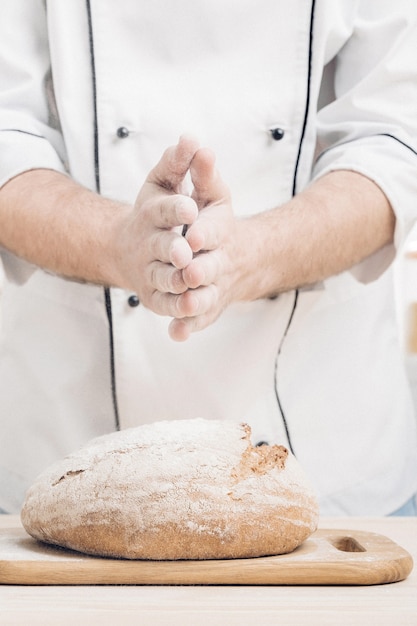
(283, 93)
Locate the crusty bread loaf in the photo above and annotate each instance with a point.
(188, 489)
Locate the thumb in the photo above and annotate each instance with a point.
(209, 187)
(174, 164)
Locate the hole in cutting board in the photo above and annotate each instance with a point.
(347, 544)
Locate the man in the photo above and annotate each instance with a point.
(245, 274)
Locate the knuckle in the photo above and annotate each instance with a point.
(176, 283)
(186, 209)
(155, 303)
(165, 212)
(160, 213)
(154, 245)
(180, 254)
(152, 276)
(178, 306)
(164, 279)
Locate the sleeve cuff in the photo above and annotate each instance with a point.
(22, 151)
(392, 165)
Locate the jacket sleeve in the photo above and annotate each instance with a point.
(29, 133)
(371, 124)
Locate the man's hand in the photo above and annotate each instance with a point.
(153, 252)
(333, 225)
(212, 273)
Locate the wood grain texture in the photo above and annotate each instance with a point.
(328, 557)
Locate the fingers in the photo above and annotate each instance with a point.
(213, 200)
(160, 208)
(168, 246)
(180, 329)
(171, 211)
(166, 279)
(203, 270)
(209, 187)
(207, 233)
(207, 236)
(185, 276)
(174, 164)
(187, 305)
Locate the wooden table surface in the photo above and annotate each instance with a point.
(380, 605)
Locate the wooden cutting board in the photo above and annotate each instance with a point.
(328, 557)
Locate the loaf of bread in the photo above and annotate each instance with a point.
(185, 489)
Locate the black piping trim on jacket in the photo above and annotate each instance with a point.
(107, 294)
(19, 130)
(399, 141)
(342, 143)
(307, 105)
(284, 419)
(294, 190)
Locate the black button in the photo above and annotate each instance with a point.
(277, 133)
(122, 132)
(261, 443)
(133, 300)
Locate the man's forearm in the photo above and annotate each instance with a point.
(51, 221)
(56, 224)
(337, 222)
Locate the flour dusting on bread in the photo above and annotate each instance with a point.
(181, 489)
